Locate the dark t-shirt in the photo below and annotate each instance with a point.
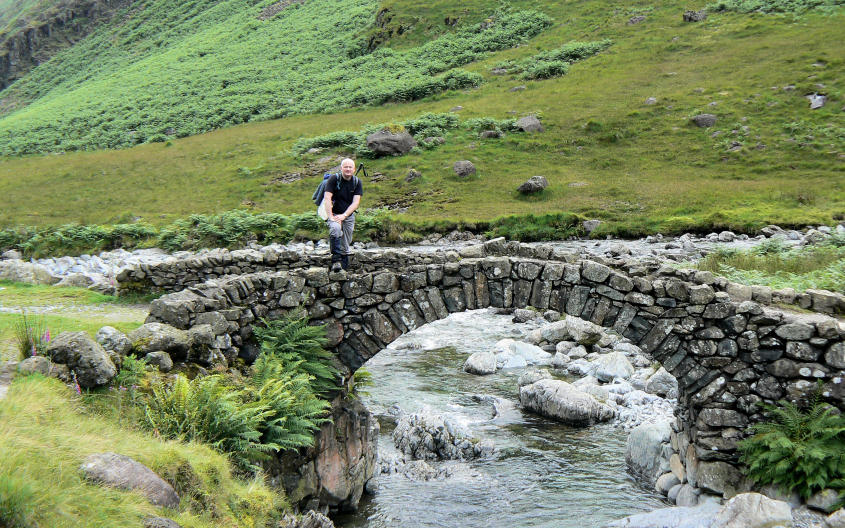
(342, 198)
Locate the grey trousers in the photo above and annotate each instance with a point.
(343, 232)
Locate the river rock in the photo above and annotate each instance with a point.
(518, 354)
(663, 384)
(561, 401)
(521, 315)
(532, 376)
(122, 472)
(152, 337)
(112, 339)
(666, 482)
(464, 168)
(644, 450)
(836, 519)
(675, 517)
(753, 510)
(613, 365)
(84, 356)
(824, 500)
(387, 143)
(427, 436)
(481, 363)
(574, 329)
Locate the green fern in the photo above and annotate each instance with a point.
(298, 347)
(799, 450)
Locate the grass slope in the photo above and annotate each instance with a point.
(41, 485)
(640, 168)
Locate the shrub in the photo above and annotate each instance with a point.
(799, 450)
(554, 63)
(773, 6)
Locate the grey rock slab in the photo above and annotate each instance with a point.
(823, 500)
(481, 363)
(529, 124)
(160, 522)
(611, 366)
(122, 472)
(675, 517)
(704, 120)
(561, 401)
(644, 450)
(666, 482)
(151, 337)
(836, 519)
(84, 356)
(753, 510)
(464, 168)
(533, 185)
(662, 383)
(387, 143)
(161, 360)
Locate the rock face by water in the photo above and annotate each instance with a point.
(481, 363)
(561, 401)
(647, 451)
(426, 436)
(120, 471)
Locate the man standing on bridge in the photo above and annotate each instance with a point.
(343, 195)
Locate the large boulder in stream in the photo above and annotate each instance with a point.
(644, 450)
(563, 402)
(481, 363)
(518, 354)
(429, 436)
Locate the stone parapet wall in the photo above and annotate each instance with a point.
(177, 274)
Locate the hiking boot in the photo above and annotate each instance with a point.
(336, 267)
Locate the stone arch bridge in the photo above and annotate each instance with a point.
(727, 355)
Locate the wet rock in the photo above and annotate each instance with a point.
(644, 450)
(84, 356)
(611, 366)
(666, 482)
(836, 519)
(561, 401)
(675, 517)
(122, 472)
(426, 436)
(532, 376)
(464, 168)
(481, 363)
(753, 510)
(521, 315)
(824, 500)
(663, 384)
(309, 519)
(388, 143)
(517, 354)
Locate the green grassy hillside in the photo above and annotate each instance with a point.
(606, 153)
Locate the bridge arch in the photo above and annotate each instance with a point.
(727, 355)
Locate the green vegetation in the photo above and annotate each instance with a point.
(304, 60)
(31, 336)
(774, 6)
(608, 155)
(799, 450)
(556, 62)
(41, 486)
(775, 264)
(278, 407)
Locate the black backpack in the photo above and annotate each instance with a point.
(321, 189)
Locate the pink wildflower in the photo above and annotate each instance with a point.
(76, 384)
(46, 336)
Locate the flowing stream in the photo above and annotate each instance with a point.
(543, 474)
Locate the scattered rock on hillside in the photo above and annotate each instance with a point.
(84, 356)
(695, 16)
(704, 120)
(456, 108)
(651, 101)
(529, 124)
(533, 185)
(413, 175)
(122, 472)
(635, 20)
(590, 225)
(160, 522)
(491, 134)
(161, 360)
(518, 88)
(384, 142)
(464, 168)
(817, 101)
(434, 140)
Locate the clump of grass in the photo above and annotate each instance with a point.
(534, 228)
(31, 335)
(776, 265)
(40, 485)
